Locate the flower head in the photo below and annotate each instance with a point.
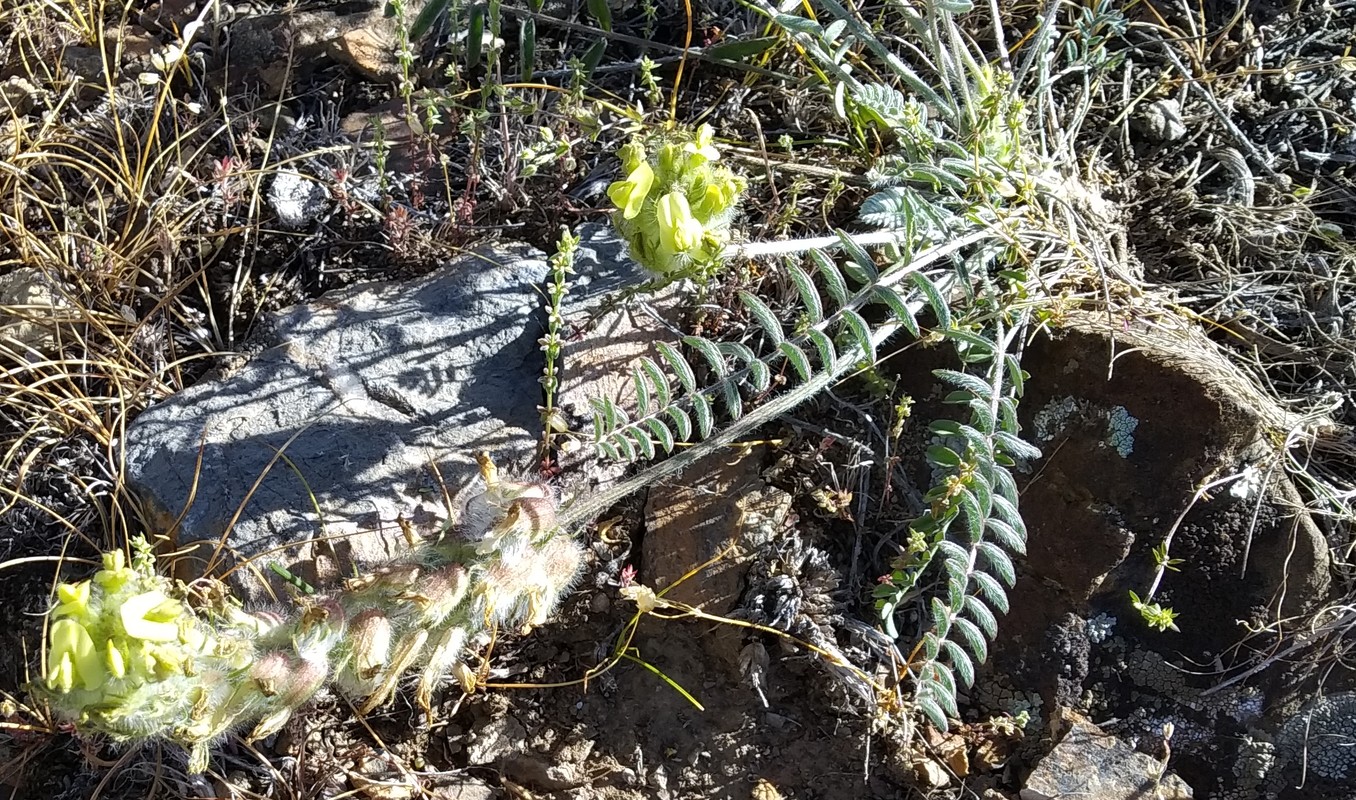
(676, 204)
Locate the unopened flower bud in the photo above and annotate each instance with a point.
(74, 599)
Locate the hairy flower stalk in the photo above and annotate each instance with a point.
(129, 656)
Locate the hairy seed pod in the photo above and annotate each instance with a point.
(295, 681)
(370, 633)
(386, 580)
(539, 512)
(441, 660)
(406, 653)
(441, 593)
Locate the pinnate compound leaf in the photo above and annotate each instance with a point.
(710, 351)
(860, 332)
(968, 632)
(701, 409)
(960, 662)
(934, 297)
(991, 590)
(898, 308)
(833, 277)
(982, 616)
(824, 345)
(809, 295)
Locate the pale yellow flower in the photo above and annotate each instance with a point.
(149, 616)
(679, 231)
(628, 195)
(73, 657)
(703, 148)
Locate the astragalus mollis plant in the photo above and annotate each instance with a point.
(138, 657)
(968, 212)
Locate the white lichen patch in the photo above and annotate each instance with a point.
(1120, 431)
(1063, 413)
(1099, 628)
(1054, 417)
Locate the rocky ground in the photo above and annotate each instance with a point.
(178, 307)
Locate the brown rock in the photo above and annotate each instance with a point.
(359, 34)
(1088, 762)
(371, 52)
(720, 504)
(1126, 446)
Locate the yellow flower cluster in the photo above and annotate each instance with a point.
(675, 204)
(119, 626)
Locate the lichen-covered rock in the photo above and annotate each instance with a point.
(356, 413)
(1088, 762)
(295, 198)
(1126, 444)
(1323, 734)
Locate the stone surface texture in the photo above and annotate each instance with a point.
(28, 309)
(720, 504)
(296, 198)
(358, 33)
(603, 344)
(355, 411)
(377, 398)
(1088, 762)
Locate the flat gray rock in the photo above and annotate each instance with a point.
(356, 411)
